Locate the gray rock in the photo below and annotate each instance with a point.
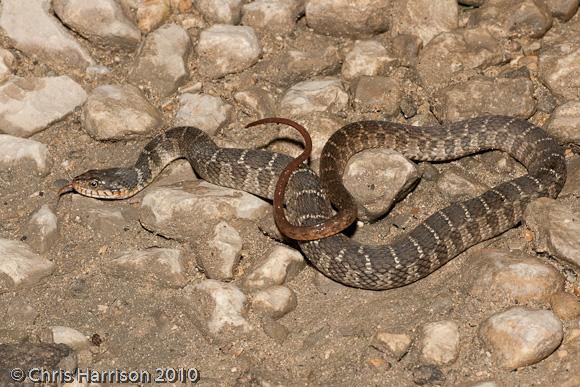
(480, 96)
(456, 185)
(564, 123)
(440, 342)
(154, 265)
(6, 64)
(102, 22)
(451, 53)
(29, 105)
(28, 23)
(256, 101)
(220, 11)
(563, 9)
(308, 56)
(513, 18)
(99, 217)
(556, 229)
(511, 276)
(325, 95)
(217, 307)
(519, 336)
(169, 209)
(161, 64)
(70, 337)
(275, 301)
(367, 57)
(20, 266)
(347, 18)
(560, 66)
(424, 18)
(377, 178)
(270, 16)
(15, 151)
(377, 94)
(119, 112)
(42, 229)
(224, 49)
(572, 186)
(395, 344)
(222, 253)
(280, 266)
(203, 111)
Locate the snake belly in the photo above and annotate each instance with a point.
(413, 255)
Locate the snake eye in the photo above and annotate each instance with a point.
(94, 183)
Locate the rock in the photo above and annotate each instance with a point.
(456, 185)
(556, 229)
(119, 112)
(308, 56)
(220, 11)
(275, 330)
(69, 337)
(203, 111)
(424, 18)
(512, 18)
(508, 97)
(440, 342)
(152, 13)
(16, 152)
(428, 374)
(559, 68)
(275, 301)
(101, 219)
(161, 64)
(406, 47)
(377, 178)
(395, 344)
(226, 248)
(346, 18)
(565, 305)
(367, 57)
(326, 95)
(154, 265)
(217, 306)
(281, 265)
(511, 276)
(42, 229)
(28, 23)
(377, 94)
(519, 337)
(451, 53)
(563, 9)
(564, 123)
(102, 22)
(256, 101)
(29, 105)
(21, 265)
(224, 49)
(270, 16)
(572, 185)
(6, 64)
(169, 209)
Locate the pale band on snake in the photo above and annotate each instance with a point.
(411, 256)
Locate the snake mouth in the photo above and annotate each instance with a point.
(96, 194)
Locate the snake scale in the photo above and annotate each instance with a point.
(432, 243)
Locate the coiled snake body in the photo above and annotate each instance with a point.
(435, 241)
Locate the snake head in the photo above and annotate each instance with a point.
(113, 183)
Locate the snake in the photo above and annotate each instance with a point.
(309, 199)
